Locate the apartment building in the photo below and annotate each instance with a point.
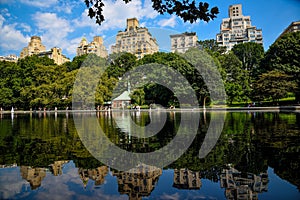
(182, 42)
(96, 46)
(237, 29)
(135, 39)
(35, 47)
(293, 27)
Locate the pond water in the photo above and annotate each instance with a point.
(256, 156)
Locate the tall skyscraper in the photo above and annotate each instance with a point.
(135, 39)
(237, 29)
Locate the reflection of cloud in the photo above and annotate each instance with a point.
(175, 196)
(12, 183)
(66, 186)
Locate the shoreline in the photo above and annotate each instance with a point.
(210, 109)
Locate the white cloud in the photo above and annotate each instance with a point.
(40, 3)
(171, 22)
(5, 12)
(53, 30)
(116, 13)
(11, 39)
(25, 27)
(68, 6)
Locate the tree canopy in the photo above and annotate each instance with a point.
(186, 9)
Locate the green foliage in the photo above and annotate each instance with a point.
(211, 46)
(250, 54)
(284, 55)
(138, 97)
(120, 64)
(76, 62)
(235, 81)
(187, 10)
(273, 85)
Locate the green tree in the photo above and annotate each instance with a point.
(10, 85)
(120, 64)
(250, 54)
(211, 46)
(187, 10)
(284, 55)
(273, 85)
(138, 96)
(76, 62)
(236, 85)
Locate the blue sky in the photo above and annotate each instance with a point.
(62, 23)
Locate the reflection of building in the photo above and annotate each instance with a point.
(135, 39)
(237, 29)
(138, 182)
(186, 179)
(96, 46)
(293, 27)
(243, 185)
(9, 58)
(182, 42)
(33, 175)
(57, 167)
(35, 47)
(98, 175)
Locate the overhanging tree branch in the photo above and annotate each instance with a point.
(185, 9)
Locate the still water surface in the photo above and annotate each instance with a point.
(256, 157)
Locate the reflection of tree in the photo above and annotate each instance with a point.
(138, 182)
(250, 142)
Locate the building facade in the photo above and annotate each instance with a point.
(182, 42)
(293, 27)
(237, 29)
(135, 39)
(9, 58)
(96, 46)
(56, 54)
(35, 47)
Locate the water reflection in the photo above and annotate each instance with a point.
(258, 153)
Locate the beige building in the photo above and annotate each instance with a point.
(293, 27)
(35, 47)
(186, 179)
(9, 58)
(237, 29)
(135, 39)
(96, 46)
(138, 182)
(56, 54)
(182, 42)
